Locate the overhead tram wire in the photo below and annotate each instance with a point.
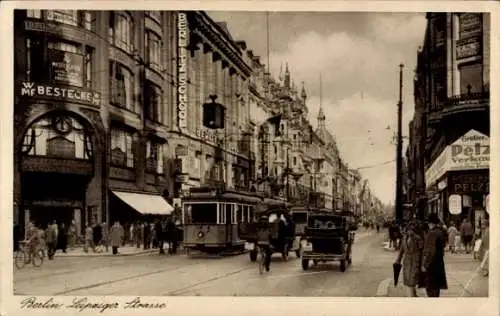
(376, 165)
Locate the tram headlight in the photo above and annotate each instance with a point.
(307, 246)
(200, 234)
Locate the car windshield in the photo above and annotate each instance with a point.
(325, 222)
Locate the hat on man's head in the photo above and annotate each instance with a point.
(433, 218)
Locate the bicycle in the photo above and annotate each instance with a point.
(25, 255)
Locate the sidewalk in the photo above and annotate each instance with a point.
(122, 251)
(463, 276)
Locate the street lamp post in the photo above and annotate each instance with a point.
(399, 153)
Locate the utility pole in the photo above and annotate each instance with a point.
(399, 152)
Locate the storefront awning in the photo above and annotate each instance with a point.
(146, 203)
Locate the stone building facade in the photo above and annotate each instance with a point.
(449, 155)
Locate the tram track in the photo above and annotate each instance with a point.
(128, 278)
(188, 288)
(71, 270)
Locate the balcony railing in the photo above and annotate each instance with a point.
(466, 98)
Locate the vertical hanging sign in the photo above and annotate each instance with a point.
(182, 42)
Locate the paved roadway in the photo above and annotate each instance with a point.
(154, 275)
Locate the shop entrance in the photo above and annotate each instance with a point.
(49, 197)
(44, 215)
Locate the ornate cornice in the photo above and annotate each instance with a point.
(212, 32)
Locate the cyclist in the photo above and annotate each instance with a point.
(32, 239)
(264, 240)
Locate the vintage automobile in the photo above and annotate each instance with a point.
(328, 237)
(282, 230)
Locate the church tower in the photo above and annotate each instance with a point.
(287, 77)
(321, 118)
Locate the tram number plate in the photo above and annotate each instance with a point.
(249, 246)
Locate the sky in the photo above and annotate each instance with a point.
(358, 56)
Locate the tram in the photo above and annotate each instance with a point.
(212, 219)
(299, 217)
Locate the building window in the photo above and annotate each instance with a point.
(153, 49)
(122, 87)
(34, 14)
(66, 63)
(84, 19)
(69, 17)
(154, 157)
(471, 79)
(153, 102)
(294, 161)
(155, 15)
(121, 30)
(122, 153)
(58, 136)
(89, 56)
(36, 69)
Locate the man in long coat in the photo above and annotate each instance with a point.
(116, 234)
(433, 258)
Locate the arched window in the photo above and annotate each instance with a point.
(58, 136)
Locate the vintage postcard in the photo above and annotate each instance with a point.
(242, 157)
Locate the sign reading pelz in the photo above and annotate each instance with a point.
(182, 37)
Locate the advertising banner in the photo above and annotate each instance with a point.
(66, 68)
(182, 53)
(455, 204)
(51, 92)
(470, 152)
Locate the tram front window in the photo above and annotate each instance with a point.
(204, 213)
(300, 217)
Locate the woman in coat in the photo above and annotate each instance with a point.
(116, 234)
(433, 258)
(410, 253)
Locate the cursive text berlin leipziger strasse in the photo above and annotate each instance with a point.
(81, 304)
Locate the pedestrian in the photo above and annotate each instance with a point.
(171, 232)
(62, 238)
(43, 244)
(132, 234)
(410, 256)
(154, 237)
(147, 235)
(97, 234)
(16, 236)
(485, 246)
(51, 241)
(105, 236)
(89, 239)
(137, 234)
(159, 235)
(433, 258)
(72, 234)
(452, 234)
(467, 233)
(116, 234)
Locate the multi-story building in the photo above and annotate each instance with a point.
(92, 106)
(210, 64)
(452, 116)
